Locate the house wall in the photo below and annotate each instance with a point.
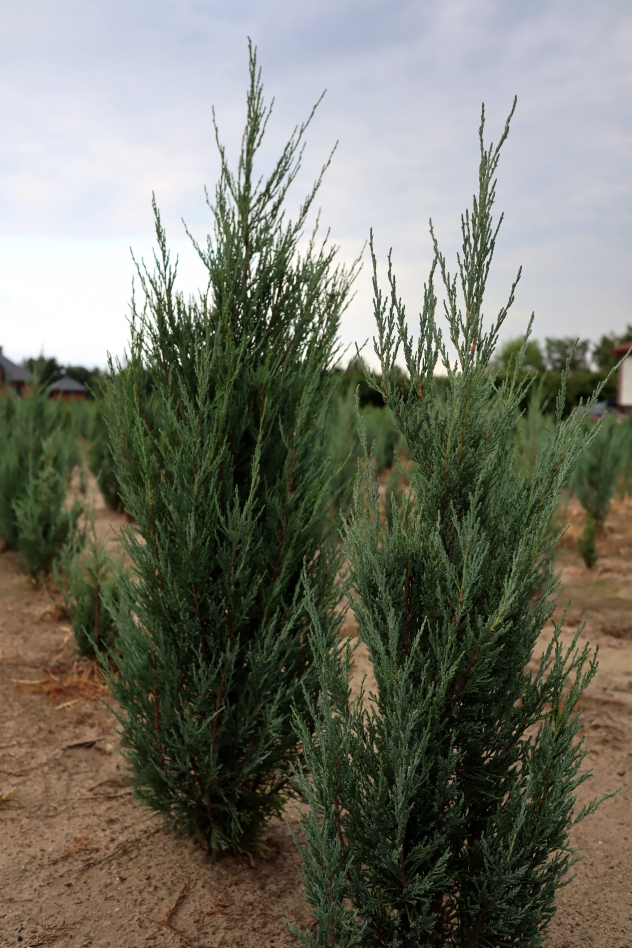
(17, 388)
(625, 385)
(69, 396)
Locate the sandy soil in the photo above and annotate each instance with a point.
(82, 865)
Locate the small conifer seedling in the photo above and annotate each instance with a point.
(439, 814)
(100, 460)
(44, 524)
(226, 471)
(534, 427)
(87, 580)
(598, 471)
(29, 428)
(587, 542)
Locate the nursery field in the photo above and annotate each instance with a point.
(83, 865)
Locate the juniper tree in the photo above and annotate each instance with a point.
(87, 580)
(34, 431)
(587, 542)
(43, 522)
(598, 471)
(100, 460)
(533, 427)
(226, 472)
(594, 481)
(344, 438)
(439, 814)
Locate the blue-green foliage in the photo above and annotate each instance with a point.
(100, 460)
(598, 471)
(439, 814)
(88, 581)
(227, 472)
(44, 524)
(587, 542)
(37, 444)
(345, 441)
(534, 428)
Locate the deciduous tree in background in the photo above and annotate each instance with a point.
(532, 357)
(603, 356)
(569, 350)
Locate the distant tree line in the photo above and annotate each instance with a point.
(589, 364)
(558, 351)
(549, 360)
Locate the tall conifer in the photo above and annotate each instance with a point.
(440, 816)
(218, 426)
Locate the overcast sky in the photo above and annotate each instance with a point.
(103, 102)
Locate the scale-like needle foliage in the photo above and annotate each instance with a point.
(598, 471)
(440, 812)
(44, 524)
(87, 581)
(218, 425)
(36, 441)
(100, 460)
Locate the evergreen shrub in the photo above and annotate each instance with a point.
(534, 427)
(624, 485)
(34, 433)
(587, 542)
(230, 492)
(82, 417)
(87, 580)
(44, 524)
(598, 471)
(101, 462)
(579, 387)
(346, 445)
(439, 813)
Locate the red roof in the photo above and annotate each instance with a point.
(620, 351)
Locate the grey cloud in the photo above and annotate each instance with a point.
(102, 103)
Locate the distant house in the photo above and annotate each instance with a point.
(624, 392)
(13, 378)
(68, 389)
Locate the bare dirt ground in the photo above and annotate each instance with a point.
(82, 865)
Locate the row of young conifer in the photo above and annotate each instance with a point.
(438, 811)
(43, 441)
(42, 444)
(45, 448)
(440, 814)
(40, 433)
